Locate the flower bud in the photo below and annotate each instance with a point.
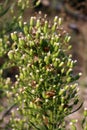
(59, 21)
(45, 26)
(21, 42)
(69, 72)
(38, 23)
(25, 28)
(85, 112)
(14, 36)
(67, 38)
(32, 21)
(11, 54)
(20, 22)
(56, 19)
(54, 27)
(61, 64)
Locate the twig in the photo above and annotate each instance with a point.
(8, 111)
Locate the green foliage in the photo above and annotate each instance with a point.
(44, 88)
(9, 13)
(37, 74)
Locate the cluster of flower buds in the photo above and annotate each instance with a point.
(40, 51)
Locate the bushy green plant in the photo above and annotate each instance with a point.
(9, 14)
(44, 88)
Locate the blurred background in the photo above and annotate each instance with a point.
(74, 15)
